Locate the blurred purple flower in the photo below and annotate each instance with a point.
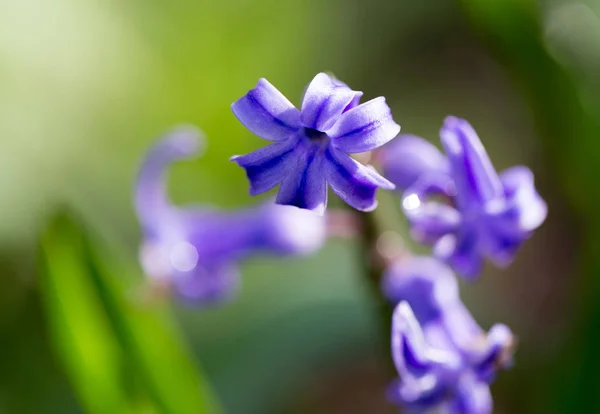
(196, 249)
(489, 215)
(445, 360)
(310, 145)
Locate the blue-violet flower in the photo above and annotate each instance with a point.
(445, 360)
(487, 215)
(310, 146)
(196, 249)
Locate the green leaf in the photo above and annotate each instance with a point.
(121, 355)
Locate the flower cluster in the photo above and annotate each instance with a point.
(456, 202)
(460, 205)
(487, 215)
(445, 360)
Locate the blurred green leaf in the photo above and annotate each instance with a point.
(121, 356)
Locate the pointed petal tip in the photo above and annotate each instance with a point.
(386, 184)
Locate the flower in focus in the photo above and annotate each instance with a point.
(195, 250)
(445, 360)
(488, 215)
(310, 146)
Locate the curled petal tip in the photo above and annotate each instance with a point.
(185, 140)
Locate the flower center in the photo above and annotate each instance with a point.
(316, 137)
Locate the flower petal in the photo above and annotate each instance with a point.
(325, 99)
(472, 397)
(495, 353)
(291, 230)
(475, 177)
(523, 199)
(305, 186)
(207, 287)
(500, 245)
(268, 166)
(267, 113)
(430, 220)
(460, 251)
(353, 182)
(151, 199)
(409, 157)
(366, 127)
(409, 349)
(511, 219)
(428, 285)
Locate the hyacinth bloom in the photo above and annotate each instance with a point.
(195, 250)
(310, 146)
(488, 214)
(445, 360)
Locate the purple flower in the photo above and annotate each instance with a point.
(487, 215)
(445, 360)
(196, 249)
(310, 146)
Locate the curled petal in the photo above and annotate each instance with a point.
(409, 349)
(511, 219)
(325, 99)
(430, 220)
(461, 252)
(268, 166)
(353, 182)
(475, 176)
(366, 127)
(151, 200)
(305, 186)
(408, 157)
(267, 113)
(525, 210)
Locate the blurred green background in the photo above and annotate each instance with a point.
(87, 85)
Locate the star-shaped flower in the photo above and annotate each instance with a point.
(445, 360)
(487, 215)
(310, 145)
(195, 250)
